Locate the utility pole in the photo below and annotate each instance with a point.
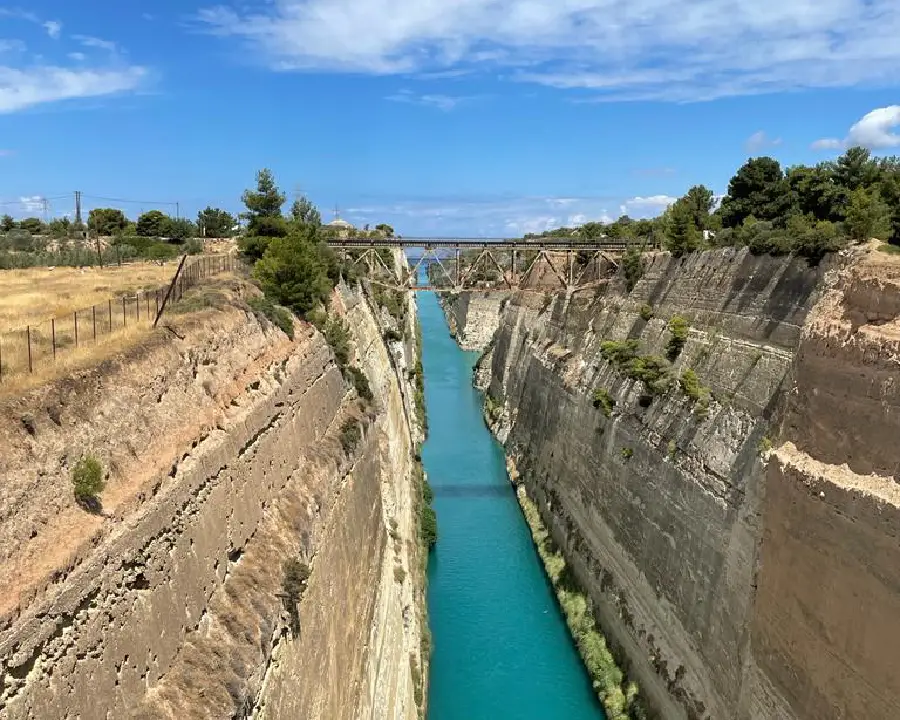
(78, 207)
(178, 211)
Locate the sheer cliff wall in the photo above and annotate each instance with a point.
(225, 453)
(728, 547)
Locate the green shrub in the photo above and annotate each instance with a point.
(690, 385)
(280, 316)
(632, 267)
(351, 434)
(651, 370)
(646, 312)
(428, 522)
(337, 335)
(627, 453)
(427, 492)
(293, 584)
(619, 352)
(603, 400)
(294, 272)
(87, 477)
(679, 329)
(359, 381)
(892, 249)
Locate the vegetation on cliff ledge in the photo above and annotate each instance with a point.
(619, 696)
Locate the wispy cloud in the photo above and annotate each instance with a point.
(20, 89)
(645, 206)
(607, 49)
(759, 141)
(496, 216)
(877, 130)
(7, 153)
(97, 69)
(53, 28)
(89, 41)
(441, 102)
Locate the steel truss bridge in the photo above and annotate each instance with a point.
(561, 264)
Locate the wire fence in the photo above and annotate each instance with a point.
(28, 350)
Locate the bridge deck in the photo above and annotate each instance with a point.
(479, 244)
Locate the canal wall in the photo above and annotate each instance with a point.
(734, 527)
(230, 449)
(473, 317)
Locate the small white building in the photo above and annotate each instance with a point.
(342, 226)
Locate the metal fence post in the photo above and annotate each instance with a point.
(110, 315)
(137, 306)
(28, 333)
(53, 335)
(124, 318)
(76, 328)
(94, 320)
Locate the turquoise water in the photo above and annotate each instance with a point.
(501, 647)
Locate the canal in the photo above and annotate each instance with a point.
(501, 647)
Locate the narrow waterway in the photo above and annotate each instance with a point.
(501, 647)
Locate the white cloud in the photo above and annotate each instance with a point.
(483, 217)
(759, 141)
(20, 89)
(89, 41)
(53, 28)
(646, 206)
(77, 56)
(876, 130)
(441, 102)
(610, 49)
(828, 144)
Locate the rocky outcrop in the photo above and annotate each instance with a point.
(473, 317)
(227, 452)
(727, 559)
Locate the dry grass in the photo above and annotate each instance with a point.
(33, 296)
(106, 325)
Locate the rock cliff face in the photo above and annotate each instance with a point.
(473, 317)
(737, 535)
(227, 455)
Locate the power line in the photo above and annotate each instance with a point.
(133, 202)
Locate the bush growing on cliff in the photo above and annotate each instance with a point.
(651, 370)
(360, 382)
(293, 584)
(679, 329)
(632, 267)
(603, 400)
(646, 312)
(87, 477)
(618, 352)
(690, 385)
(429, 526)
(277, 315)
(351, 434)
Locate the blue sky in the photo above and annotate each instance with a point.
(475, 117)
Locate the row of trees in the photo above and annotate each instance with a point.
(809, 210)
(112, 222)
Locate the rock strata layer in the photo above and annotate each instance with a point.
(737, 534)
(226, 456)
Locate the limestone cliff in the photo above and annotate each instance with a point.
(227, 453)
(734, 527)
(473, 317)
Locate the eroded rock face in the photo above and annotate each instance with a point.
(170, 605)
(474, 316)
(688, 533)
